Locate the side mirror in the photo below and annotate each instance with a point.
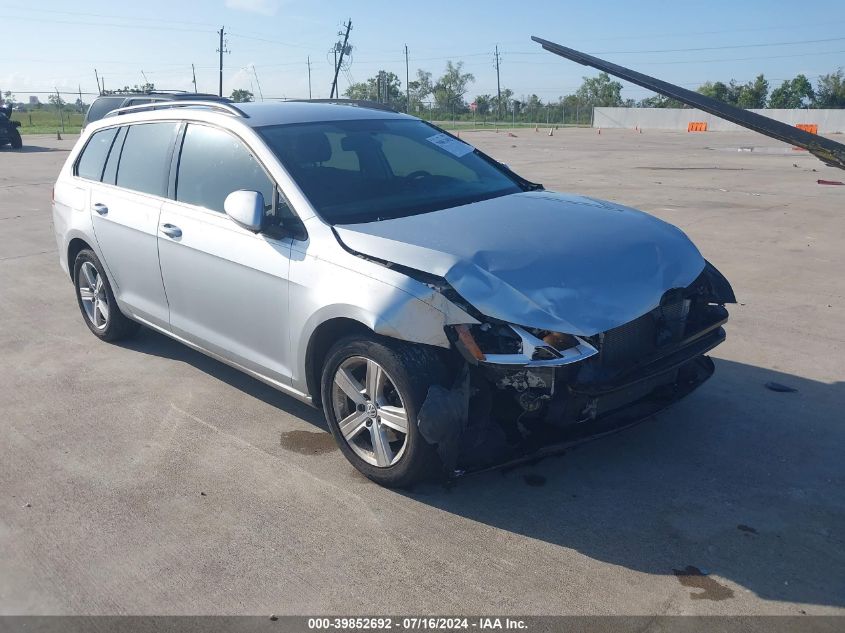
(246, 208)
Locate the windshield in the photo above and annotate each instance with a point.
(366, 170)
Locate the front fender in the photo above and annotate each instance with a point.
(321, 290)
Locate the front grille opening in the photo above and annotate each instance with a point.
(645, 336)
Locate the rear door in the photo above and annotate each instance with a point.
(227, 286)
(125, 209)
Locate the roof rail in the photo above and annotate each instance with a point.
(161, 105)
(360, 103)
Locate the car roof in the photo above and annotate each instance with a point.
(264, 113)
(175, 96)
(286, 112)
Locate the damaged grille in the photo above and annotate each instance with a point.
(644, 336)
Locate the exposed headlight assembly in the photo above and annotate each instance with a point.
(508, 344)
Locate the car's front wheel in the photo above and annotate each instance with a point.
(96, 299)
(372, 391)
(17, 141)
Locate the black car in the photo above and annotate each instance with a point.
(9, 129)
(106, 103)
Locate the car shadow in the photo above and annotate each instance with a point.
(32, 149)
(150, 342)
(737, 482)
(737, 487)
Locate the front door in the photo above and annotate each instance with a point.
(227, 286)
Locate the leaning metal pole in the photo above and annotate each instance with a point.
(826, 150)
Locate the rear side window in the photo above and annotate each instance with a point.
(93, 158)
(213, 164)
(146, 157)
(101, 107)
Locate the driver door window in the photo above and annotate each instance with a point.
(215, 163)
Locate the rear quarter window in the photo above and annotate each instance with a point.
(110, 172)
(145, 159)
(93, 158)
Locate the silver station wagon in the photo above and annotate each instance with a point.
(443, 311)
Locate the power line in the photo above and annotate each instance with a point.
(109, 24)
(131, 18)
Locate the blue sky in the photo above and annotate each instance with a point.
(52, 43)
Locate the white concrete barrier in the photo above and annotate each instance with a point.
(829, 121)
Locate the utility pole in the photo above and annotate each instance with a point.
(498, 85)
(194, 73)
(257, 83)
(339, 63)
(407, 83)
(61, 112)
(97, 78)
(308, 62)
(221, 50)
(146, 81)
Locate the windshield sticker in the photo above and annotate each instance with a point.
(451, 145)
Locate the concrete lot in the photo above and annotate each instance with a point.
(146, 478)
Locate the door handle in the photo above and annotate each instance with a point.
(100, 208)
(171, 230)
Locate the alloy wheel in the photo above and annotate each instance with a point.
(369, 411)
(92, 292)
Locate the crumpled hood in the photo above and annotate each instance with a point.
(540, 259)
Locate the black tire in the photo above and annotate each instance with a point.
(412, 369)
(17, 141)
(117, 325)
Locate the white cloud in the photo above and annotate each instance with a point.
(264, 7)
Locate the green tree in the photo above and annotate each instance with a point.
(830, 90)
(136, 89)
(9, 98)
(717, 90)
(749, 95)
(421, 87)
(482, 104)
(240, 95)
(659, 101)
(754, 93)
(501, 109)
(600, 91)
(794, 93)
(56, 100)
(383, 87)
(451, 87)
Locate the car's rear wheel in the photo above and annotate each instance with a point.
(17, 141)
(372, 391)
(96, 300)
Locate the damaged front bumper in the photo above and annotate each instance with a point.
(555, 441)
(539, 396)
